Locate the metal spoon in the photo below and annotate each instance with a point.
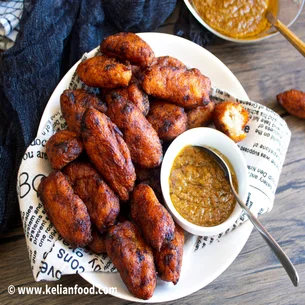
(278, 251)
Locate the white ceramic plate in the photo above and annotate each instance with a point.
(203, 266)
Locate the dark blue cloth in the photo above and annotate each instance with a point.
(53, 36)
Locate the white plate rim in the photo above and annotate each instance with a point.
(240, 234)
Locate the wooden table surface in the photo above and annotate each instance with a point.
(255, 277)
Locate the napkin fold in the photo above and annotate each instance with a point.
(53, 36)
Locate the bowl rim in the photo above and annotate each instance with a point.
(239, 166)
(242, 41)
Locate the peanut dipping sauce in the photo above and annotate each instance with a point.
(199, 189)
(236, 18)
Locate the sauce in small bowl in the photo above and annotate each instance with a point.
(195, 189)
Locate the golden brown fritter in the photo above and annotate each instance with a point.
(183, 87)
(66, 211)
(168, 260)
(73, 105)
(108, 152)
(130, 47)
(200, 116)
(133, 258)
(293, 101)
(63, 147)
(97, 245)
(231, 118)
(102, 203)
(167, 119)
(150, 176)
(104, 72)
(150, 215)
(168, 61)
(141, 139)
(134, 94)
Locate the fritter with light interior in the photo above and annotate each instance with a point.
(66, 210)
(133, 258)
(150, 215)
(62, 148)
(102, 203)
(108, 151)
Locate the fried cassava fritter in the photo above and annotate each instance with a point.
(133, 258)
(231, 118)
(187, 88)
(200, 116)
(66, 210)
(134, 94)
(104, 72)
(141, 138)
(108, 151)
(102, 203)
(167, 119)
(128, 46)
(73, 105)
(168, 260)
(168, 61)
(97, 245)
(150, 215)
(63, 147)
(293, 101)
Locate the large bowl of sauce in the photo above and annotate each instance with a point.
(243, 21)
(194, 187)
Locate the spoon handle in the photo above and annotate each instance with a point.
(278, 251)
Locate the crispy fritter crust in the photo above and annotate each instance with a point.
(183, 87)
(293, 101)
(63, 147)
(134, 94)
(102, 204)
(200, 116)
(66, 211)
(150, 215)
(168, 61)
(133, 258)
(231, 118)
(108, 152)
(104, 72)
(167, 119)
(73, 105)
(128, 46)
(141, 139)
(97, 245)
(168, 260)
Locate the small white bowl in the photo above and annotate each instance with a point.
(204, 136)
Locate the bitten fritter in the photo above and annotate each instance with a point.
(168, 260)
(66, 211)
(231, 118)
(142, 140)
(73, 105)
(108, 151)
(183, 87)
(128, 46)
(134, 94)
(104, 72)
(151, 216)
(293, 101)
(62, 148)
(97, 245)
(167, 119)
(133, 258)
(200, 116)
(168, 61)
(102, 203)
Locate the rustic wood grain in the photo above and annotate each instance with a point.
(255, 277)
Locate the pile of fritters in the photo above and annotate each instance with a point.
(104, 192)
